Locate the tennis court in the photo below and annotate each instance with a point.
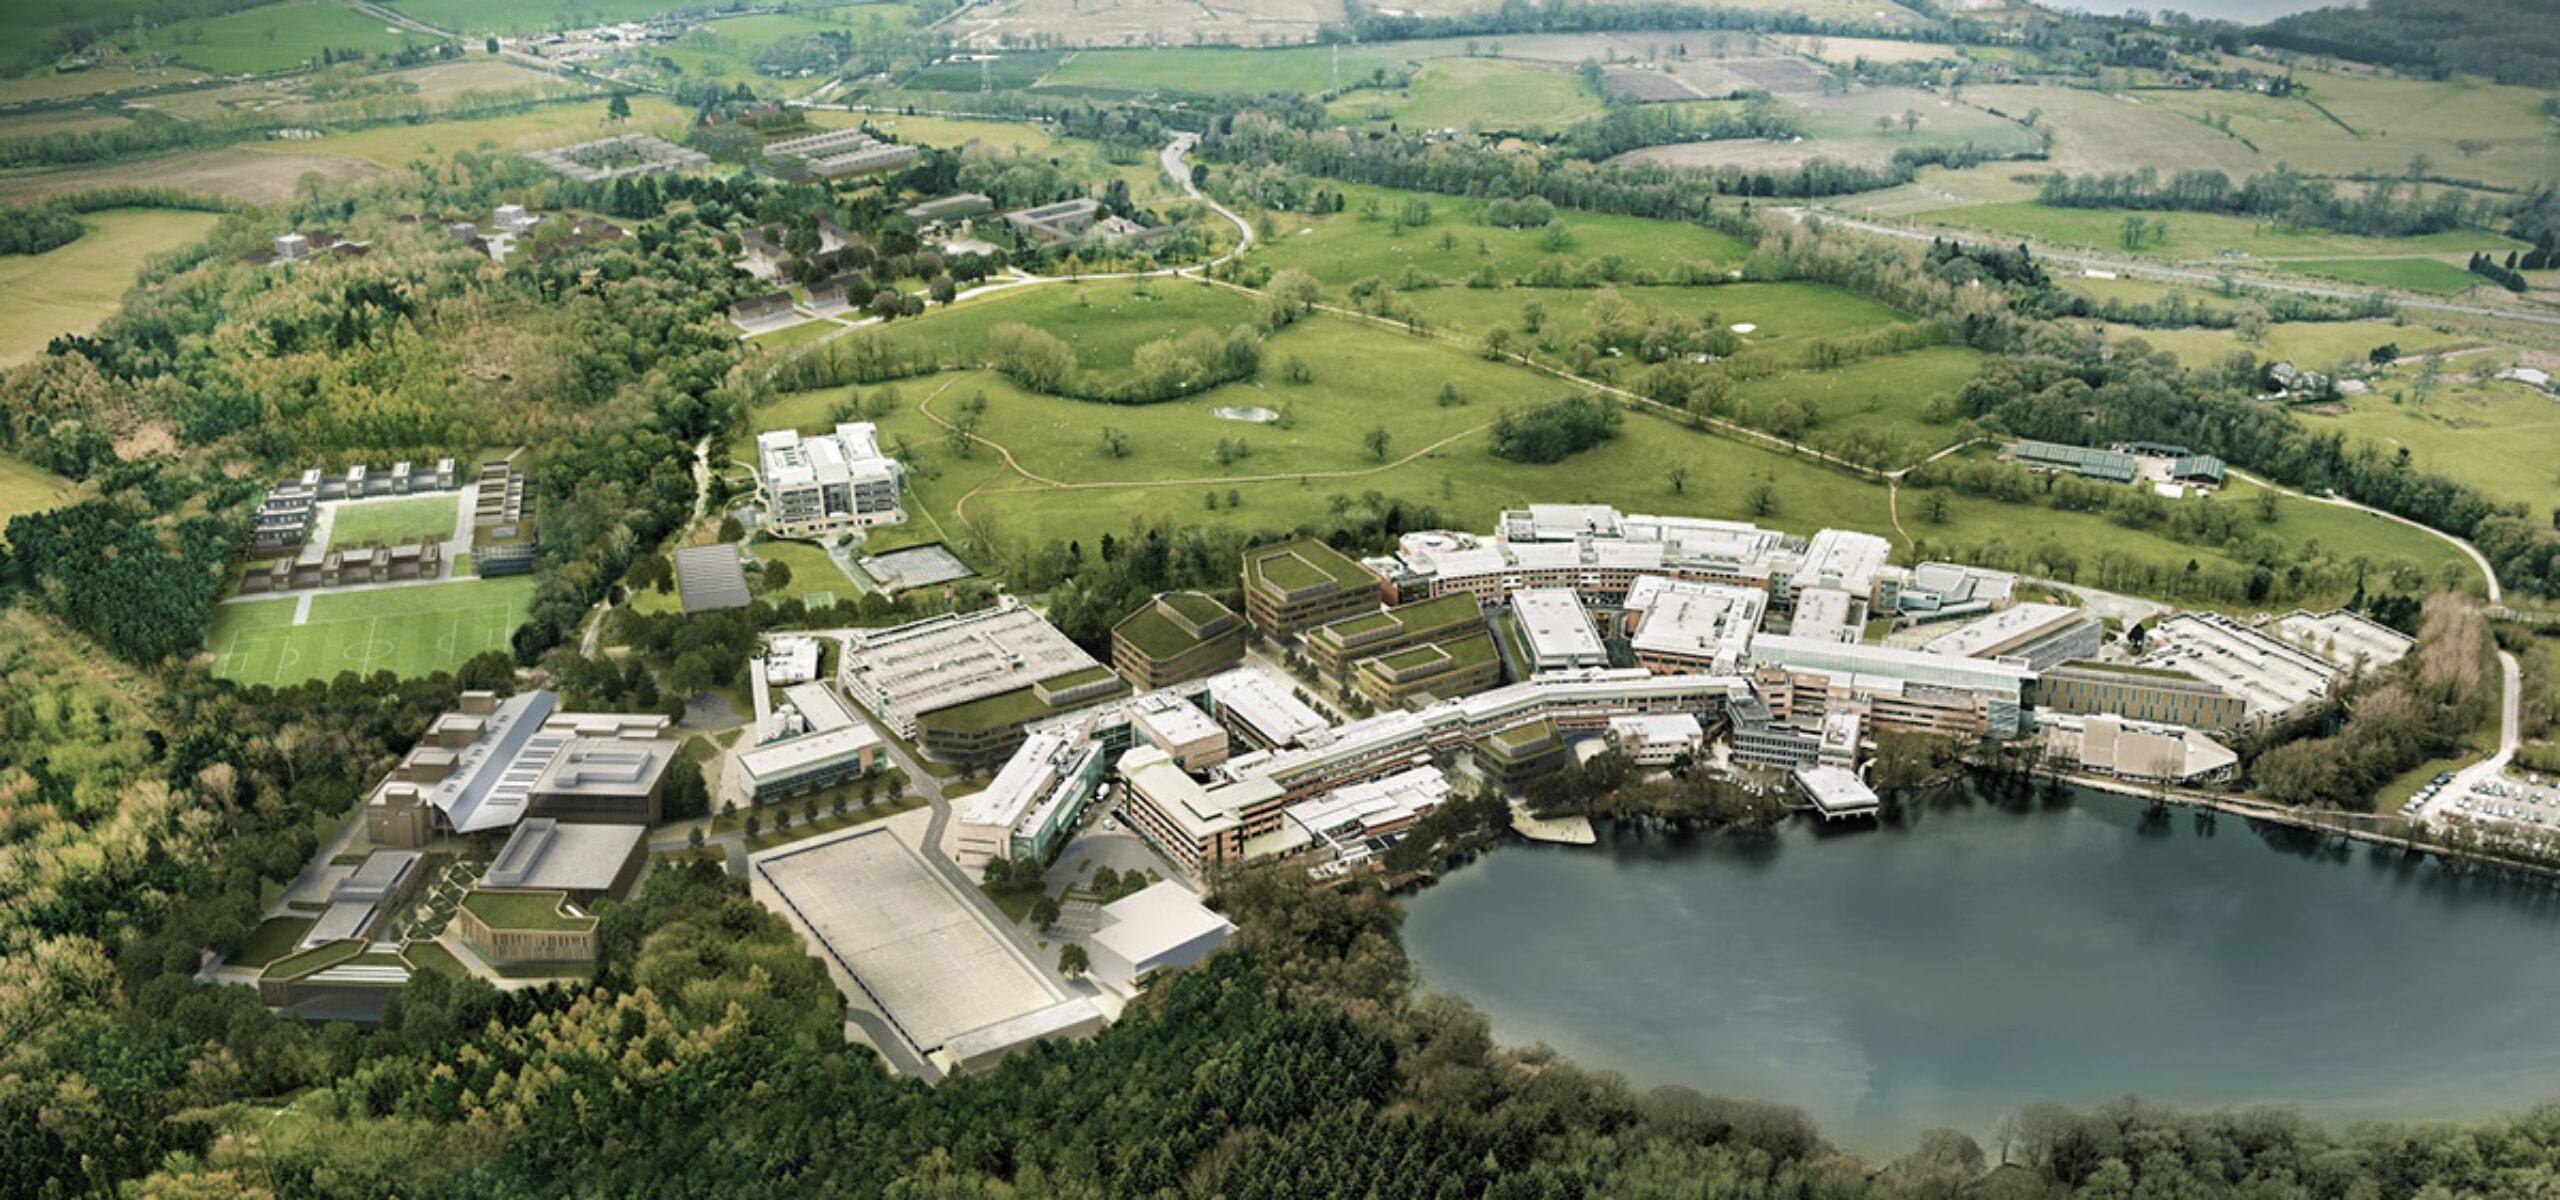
(414, 630)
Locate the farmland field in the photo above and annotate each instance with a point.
(407, 631)
(1216, 70)
(276, 37)
(2203, 235)
(63, 85)
(1844, 129)
(1477, 93)
(71, 288)
(2429, 275)
(2091, 130)
(394, 147)
(2312, 345)
(263, 174)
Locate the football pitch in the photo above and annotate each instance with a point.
(406, 631)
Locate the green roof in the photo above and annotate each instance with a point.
(1195, 607)
(523, 910)
(1078, 677)
(1304, 563)
(1509, 742)
(1423, 617)
(1004, 708)
(1422, 655)
(316, 959)
(1154, 634)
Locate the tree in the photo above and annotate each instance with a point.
(1762, 499)
(1044, 912)
(2266, 504)
(491, 45)
(1679, 480)
(1115, 443)
(1376, 442)
(777, 575)
(1073, 962)
(731, 530)
(1293, 294)
(618, 108)
(1450, 396)
(1910, 120)
(1934, 507)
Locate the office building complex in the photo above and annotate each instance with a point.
(2036, 635)
(1296, 586)
(1558, 630)
(827, 483)
(2153, 694)
(964, 685)
(492, 763)
(1177, 636)
(1334, 647)
(1677, 625)
(1897, 689)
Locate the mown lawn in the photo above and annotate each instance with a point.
(26, 487)
(2432, 276)
(391, 522)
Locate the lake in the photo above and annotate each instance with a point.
(1970, 961)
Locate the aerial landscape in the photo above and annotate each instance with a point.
(991, 598)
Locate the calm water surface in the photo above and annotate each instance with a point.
(1948, 971)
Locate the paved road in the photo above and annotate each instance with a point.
(2510, 738)
(2187, 275)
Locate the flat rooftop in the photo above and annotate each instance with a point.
(2344, 638)
(1827, 614)
(1556, 625)
(947, 661)
(543, 854)
(1267, 706)
(1709, 621)
(2004, 630)
(1302, 565)
(915, 948)
(2270, 675)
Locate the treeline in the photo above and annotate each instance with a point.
(2504, 275)
(1634, 127)
(2383, 210)
(144, 588)
(2511, 41)
(1556, 430)
(1167, 368)
(1367, 24)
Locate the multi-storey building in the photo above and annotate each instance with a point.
(1335, 646)
(1177, 636)
(2155, 694)
(1295, 586)
(828, 483)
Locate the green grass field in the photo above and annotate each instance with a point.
(1342, 248)
(2203, 235)
(1884, 397)
(2500, 437)
(406, 631)
(1477, 93)
(1784, 316)
(71, 288)
(1217, 70)
(515, 16)
(1105, 320)
(396, 146)
(26, 487)
(2429, 275)
(1370, 377)
(391, 522)
(2313, 345)
(276, 37)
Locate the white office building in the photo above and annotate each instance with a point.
(1558, 630)
(828, 483)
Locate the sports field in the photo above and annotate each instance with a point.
(406, 630)
(366, 522)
